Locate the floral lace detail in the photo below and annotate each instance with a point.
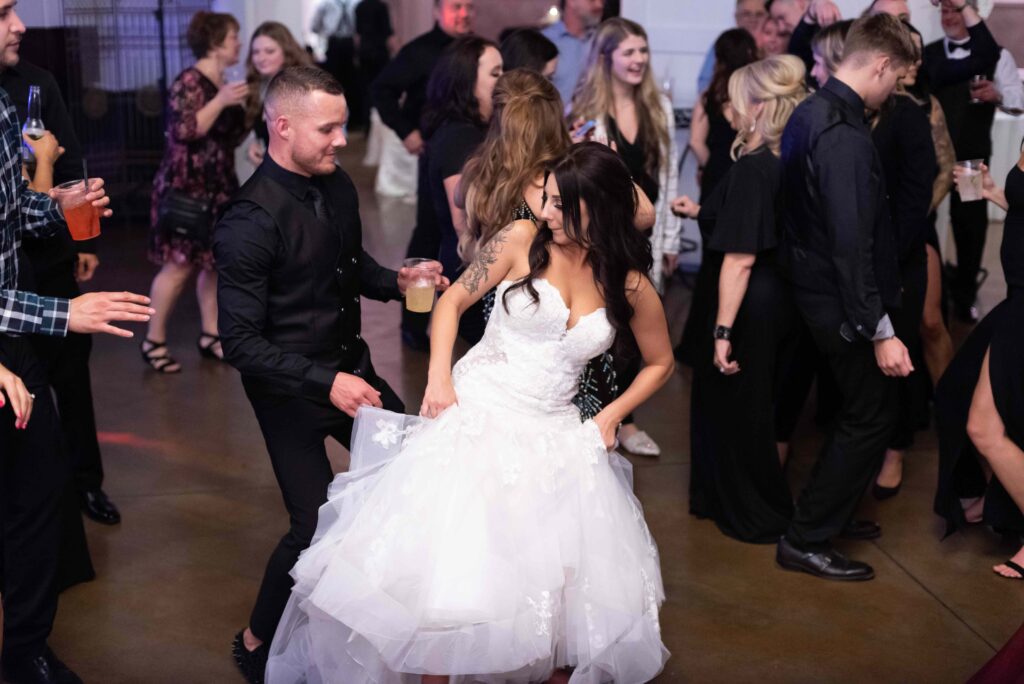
(376, 560)
(651, 598)
(542, 613)
(387, 434)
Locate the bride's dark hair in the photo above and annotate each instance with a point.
(594, 175)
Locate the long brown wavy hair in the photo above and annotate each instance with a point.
(526, 136)
(593, 98)
(294, 55)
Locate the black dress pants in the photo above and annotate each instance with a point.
(66, 363)
(857, 441)
(911, 390)
(970, 223)
(295, 429)
(34, 471)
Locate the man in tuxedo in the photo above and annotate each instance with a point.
(291, 271)
(968, 49)
(840, 255)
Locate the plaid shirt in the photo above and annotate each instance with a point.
(23, 211)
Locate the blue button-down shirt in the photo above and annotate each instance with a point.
(572, 57)
(22, 212)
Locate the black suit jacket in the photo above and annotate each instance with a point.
(290, 282)
(837, 241)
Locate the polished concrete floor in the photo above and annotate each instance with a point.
(186, 464)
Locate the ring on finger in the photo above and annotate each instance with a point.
(32, 396)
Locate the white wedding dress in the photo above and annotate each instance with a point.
(495, 543)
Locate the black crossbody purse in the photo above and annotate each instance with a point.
(184, 217)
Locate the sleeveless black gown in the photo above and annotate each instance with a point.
(1001, 335)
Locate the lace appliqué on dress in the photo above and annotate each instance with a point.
(542, 613)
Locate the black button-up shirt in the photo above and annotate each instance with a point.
(836, 235)
(290, 278)
(406, 77)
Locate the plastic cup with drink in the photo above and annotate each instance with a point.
(970, 180)
(419, 296)
(976, 81)
(82, 217)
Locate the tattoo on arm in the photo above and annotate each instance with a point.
(476, 274)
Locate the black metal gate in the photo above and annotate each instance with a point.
(121, 55)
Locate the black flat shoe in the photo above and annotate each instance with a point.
(861, 529)
(96, 506)
(882, 493)
(44, 669)
(826, 564)
(252, 664)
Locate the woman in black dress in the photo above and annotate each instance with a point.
(459, 106)
(979, 402)
(711, 138)
(736, 478)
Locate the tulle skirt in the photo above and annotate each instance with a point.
(485, 545)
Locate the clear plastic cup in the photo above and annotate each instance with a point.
(419, 296)
(82, 217)
(969, 183)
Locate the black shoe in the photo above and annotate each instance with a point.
(98, 507)
(861, 529)
(415, 340)
(252, 664)
(827, 564)
(882, 493)
(44, 669)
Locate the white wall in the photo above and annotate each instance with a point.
(41, 13)
(682, 31)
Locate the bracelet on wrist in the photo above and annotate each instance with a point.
(723, 333)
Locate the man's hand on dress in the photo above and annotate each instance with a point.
(349, 392)
(439, 396)
(893, 358)
(94, 311)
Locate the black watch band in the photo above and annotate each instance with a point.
(722, 332)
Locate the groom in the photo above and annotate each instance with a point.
(292, 268)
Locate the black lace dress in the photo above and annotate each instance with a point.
(1001, 335)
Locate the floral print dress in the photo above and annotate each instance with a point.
(201, 166)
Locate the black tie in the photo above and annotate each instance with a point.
(319, 208)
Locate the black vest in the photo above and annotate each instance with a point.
(970, 125)
(313, 301)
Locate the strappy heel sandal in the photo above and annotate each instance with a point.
(206, 350)
(161, 363)
(1013, 566)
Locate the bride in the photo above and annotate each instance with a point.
(500, 541)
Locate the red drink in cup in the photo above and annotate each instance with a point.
(82, 218)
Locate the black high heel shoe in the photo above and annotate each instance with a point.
(206, 350)
(882, 493)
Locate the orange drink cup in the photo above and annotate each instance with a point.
(82, 218)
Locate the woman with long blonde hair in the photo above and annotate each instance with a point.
(271, 49)
(736, 476)
(617, 90)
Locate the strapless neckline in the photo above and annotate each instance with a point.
(561, 300)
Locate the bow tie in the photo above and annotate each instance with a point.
(959, 50)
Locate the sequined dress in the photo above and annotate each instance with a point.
(493, 544)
